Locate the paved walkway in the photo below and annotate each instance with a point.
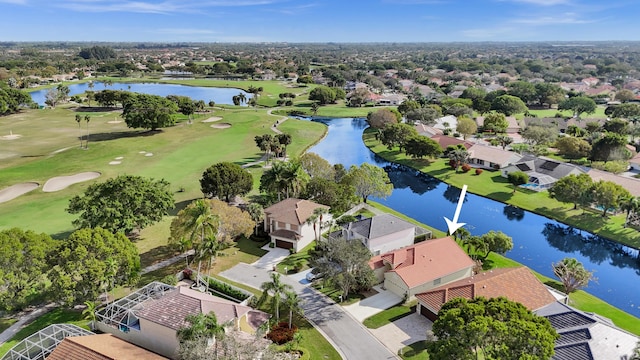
(372, 305)
(281, 119)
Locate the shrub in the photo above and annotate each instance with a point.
(170, 280)
(226, 289)
(187, 273)
(452, 163)
(465, 167)
(292, 251)
(280, 333)
(272, 245)
(478, 171)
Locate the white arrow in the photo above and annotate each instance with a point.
(455, 225)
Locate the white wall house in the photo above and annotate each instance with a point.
(286, 223)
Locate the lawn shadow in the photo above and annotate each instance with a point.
(62, 235)
(96, 109)
(106, 136)
(156, 254)
(180, 206)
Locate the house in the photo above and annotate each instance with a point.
(383, 233)
(446, 141)
(587, 336)
(446, 122)
(100, 347)
(426, 130)
(286, 223)
(631, 184)
(421, 267)
(516, 284)
(390, 99)
(542, 172)
(491, 157)
(151, 316)
(512, 128)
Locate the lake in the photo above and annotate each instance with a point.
(218, 95)
(538, 241)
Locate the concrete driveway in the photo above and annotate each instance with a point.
(403, 332)
(270, 259)
(372, 305)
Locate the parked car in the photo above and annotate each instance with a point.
(313, 275)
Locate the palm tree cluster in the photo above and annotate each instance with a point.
(87, 118)
(285, 179)
(271, 144)
(239, 99)
(279, 292)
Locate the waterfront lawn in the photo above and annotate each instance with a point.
(492, 185)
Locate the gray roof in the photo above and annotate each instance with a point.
(586, 336)
(546, 170)
(379, 225)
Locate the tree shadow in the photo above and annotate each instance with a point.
(156, 255)
(106, 136)
(62, 235)
(180, 206)
(96, 109)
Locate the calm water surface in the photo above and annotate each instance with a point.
(219, 95)
(538, 241)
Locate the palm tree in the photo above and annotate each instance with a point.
(257, 214)
(242, 98)
(200, 223)
(630, 205)
(284, 140)
(276, 288)
(78, 120)
(295, 178)
(314, 108)
(87, 118)
(292, 302)
(184, 245)
(90, 84)
(202, 328)
(89, 313)
(208, 250)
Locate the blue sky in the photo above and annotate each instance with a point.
(318, 20)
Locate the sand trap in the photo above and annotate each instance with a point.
(148, 154)
(14, 191)
(62, 182)
(116, 162)
(114, 122)
(120, 158)
(212, 119)
(221, 126)
(142, 152)
(10, 137)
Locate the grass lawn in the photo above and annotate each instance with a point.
(492, 185)
(388, 316)
(5, 323)
(319, 348)
(598, 114)
(56, 316)
(415, 351)
(300, 258)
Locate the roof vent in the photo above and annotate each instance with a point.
(484, 286)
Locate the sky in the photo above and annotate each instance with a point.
(318, 20)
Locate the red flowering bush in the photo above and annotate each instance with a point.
(280, 333)
(465, 168)
(187, 273)
(478, 171)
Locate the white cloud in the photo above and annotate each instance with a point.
(16, 2)
(544, 2)
(164, 7)
(550, 20)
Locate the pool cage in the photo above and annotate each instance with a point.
(538, 181)
(121, 314)
(41, 344)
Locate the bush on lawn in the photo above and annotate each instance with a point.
(280, 333)
(465, 167)
(478, 171)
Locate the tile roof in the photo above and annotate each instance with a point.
(171, 309)
(100, 347)
(445, 141)
(516, 284)
(631, 184)
(379, 225)
(425, 261)
(293, 211)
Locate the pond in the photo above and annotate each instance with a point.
(218, 95)
(538, 241)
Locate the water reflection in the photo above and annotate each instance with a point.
(453, 194)
(513, 212)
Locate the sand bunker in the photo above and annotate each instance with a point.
(116, 162)
(114, 122)
(142, 152)
(14, 191)
(212, 119)
(120, 158)
(62, 182)
(10, 137)
(221, 126)
(148, 154)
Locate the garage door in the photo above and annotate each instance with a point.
(284, 244)
(427, 313)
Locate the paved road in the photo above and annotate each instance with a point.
(348, 336)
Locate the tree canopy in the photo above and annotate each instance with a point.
(495, 122)
(497, 327)
(575, 189)
(381, 118)
(91, 261)
(508, 105)
(123, 203)
(369, 180)
(572, 274)
(226, 180)
(149, 111)
(579, 105)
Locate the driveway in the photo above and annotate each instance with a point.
(345, 333)
(372, 305)
(272, 258)
(403, 332)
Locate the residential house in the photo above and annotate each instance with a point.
(491, 157)
(631, 184)
(100, 347)
(446, 122)
(426, 130)
(512, 128)
(587, 336)
(421, 267)
(516, 284)
(542, 172)
(151, 316)
(286, 223)
(390, 99)
(446, 141)
(383, 233)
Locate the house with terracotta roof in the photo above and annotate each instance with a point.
(426, 130)
(421, 267)
(587, 336)
(445, 141)
(516, 284)
(490, 157)
(151, 316)
(100, 347)
(286, 223)
(383, 233)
